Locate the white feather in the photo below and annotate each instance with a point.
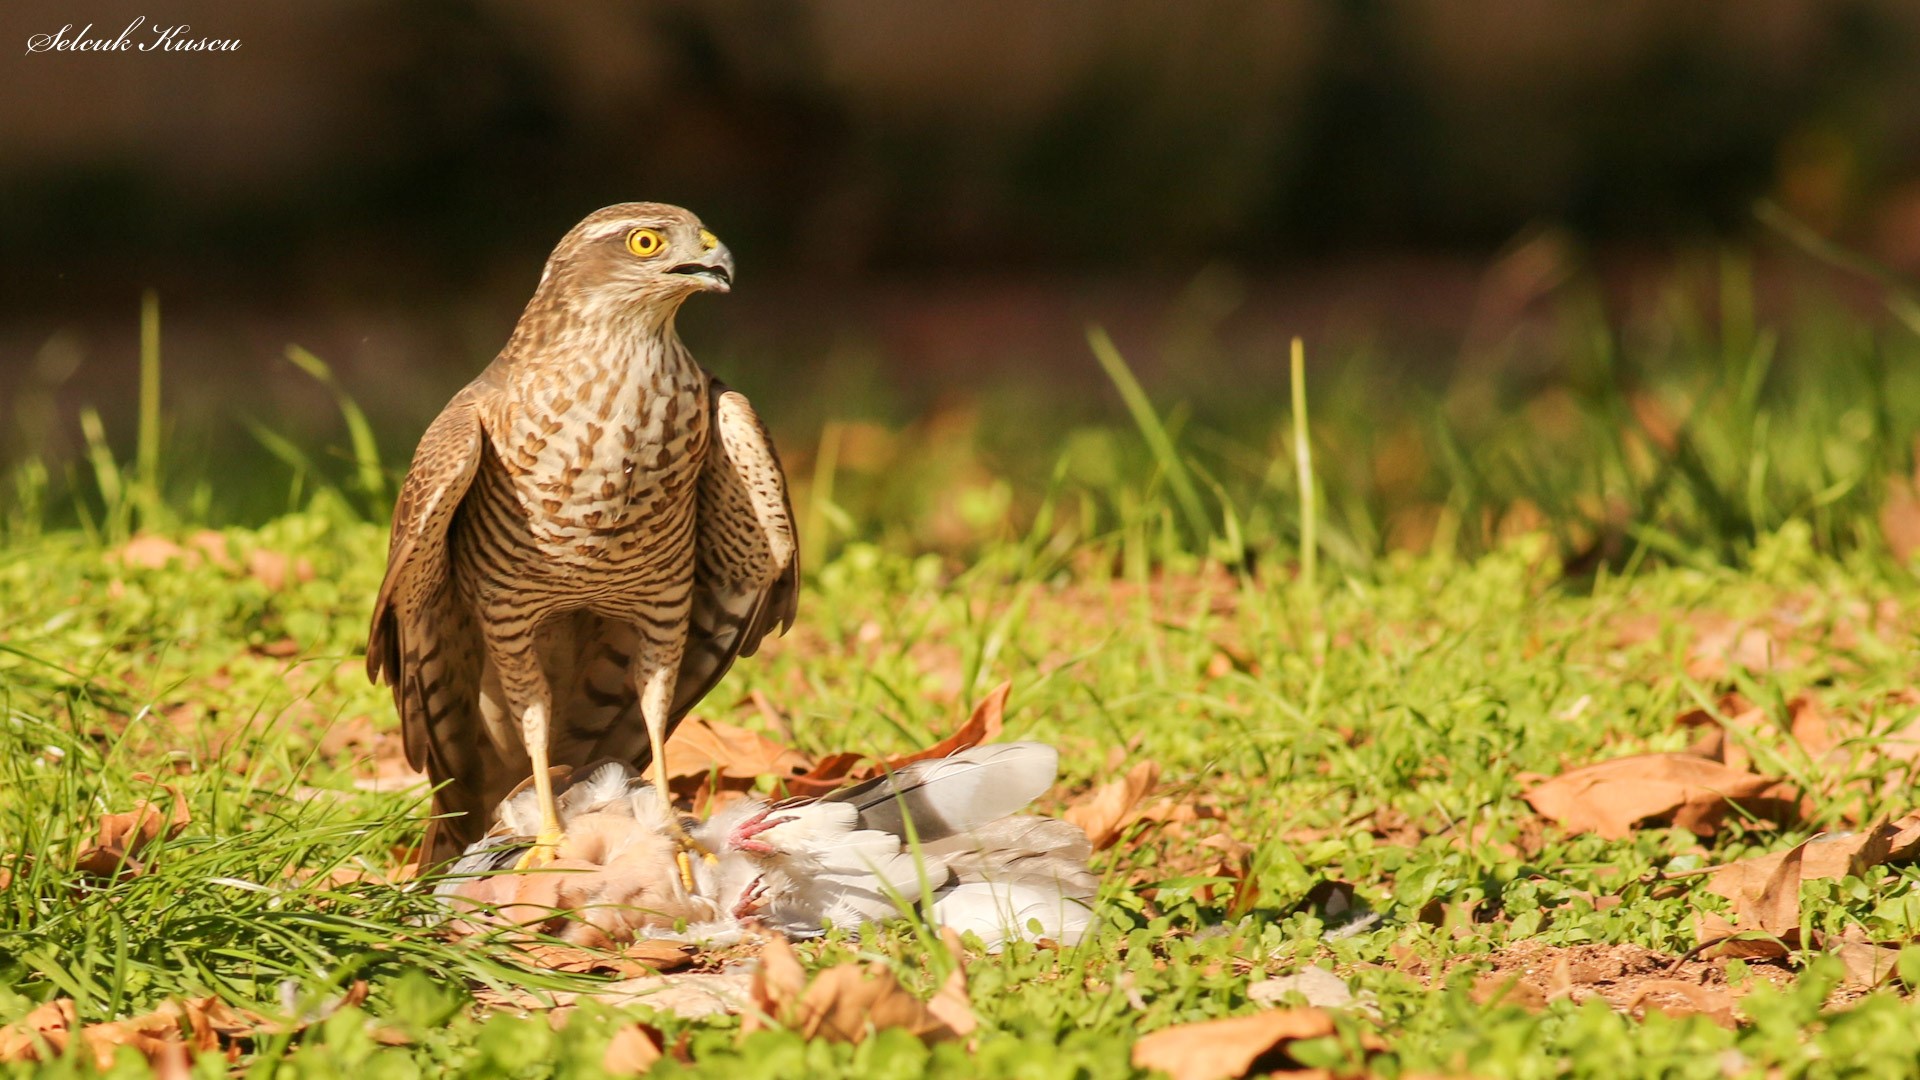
(999, 912)
(953, 794)
(846, 859)
(607, 783)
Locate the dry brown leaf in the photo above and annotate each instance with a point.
(838, 770)
(644, 957)
(1903, 837)
(1105, 812)
(781, 977)
(151, 552)
(1824, 856)
(276, 570)
(1611, 798)
(271, 568)
(1900, 518)
(121, 838)
(1766, 890)
(1807, 723)
(687, 995)
(1500, 989)
(984, 725)
(1722, 645)
(1868, 965)
(633, 1050)
(1810, 726)
(1726, 940)
(167, 1037)
(700, 746)
(1716, 1003)
(951, 1006)
(848, 1001)
(1224, 1049)
(1773, 905)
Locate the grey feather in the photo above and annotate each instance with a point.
(950, 795)
(1034, 850)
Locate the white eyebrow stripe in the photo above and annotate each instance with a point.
(617, 229)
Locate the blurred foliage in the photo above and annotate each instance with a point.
(409, 150)
(1685, 433)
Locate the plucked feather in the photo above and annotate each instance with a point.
(998, 912)
(944, 796)
(801, 866)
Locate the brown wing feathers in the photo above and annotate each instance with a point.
(429, 650)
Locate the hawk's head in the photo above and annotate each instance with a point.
(639, 253)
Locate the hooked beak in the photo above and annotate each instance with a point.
(714, 273)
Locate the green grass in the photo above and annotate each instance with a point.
(1141, 594)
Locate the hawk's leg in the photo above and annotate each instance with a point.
(531, 702)
(534, 725)
(655, 670)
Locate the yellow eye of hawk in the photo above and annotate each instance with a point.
(646, 242)
(708, 241)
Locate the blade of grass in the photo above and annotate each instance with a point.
(371, 478)
(147, 459)
(1303, 467)
(1154, 432)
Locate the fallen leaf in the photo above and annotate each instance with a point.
(984, 725)
(780, 979)
(276, 569)
(1105, 812)
(167, 1037)
(633, 1050)
(951, 1006)
(121, 838)
(1828, 855)
(1497, 989)
(1734, 721)
(151, 552)
(849, 1001)
(1868, 965)
(1726, 940)
(1900, 518)
(1810, 727)
(645, 957)
(838, 770)
(700, 747)
(1614, 797)
(1713, 1002)
(687, 995)
(1224, 1049)
(1772, 904)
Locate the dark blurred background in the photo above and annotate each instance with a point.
(928, 202)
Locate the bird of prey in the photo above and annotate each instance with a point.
(590, 532)
(948, 830)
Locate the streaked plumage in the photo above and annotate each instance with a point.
(590, 533)
(947, 829)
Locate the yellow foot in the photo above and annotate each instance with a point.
(546, 847)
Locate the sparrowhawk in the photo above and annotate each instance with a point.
(590, 532)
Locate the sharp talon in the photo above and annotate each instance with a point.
(677, 832)
(545, 849)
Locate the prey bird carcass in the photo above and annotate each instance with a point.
(591, 532)
(943, 836)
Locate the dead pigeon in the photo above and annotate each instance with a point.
(943, 836)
